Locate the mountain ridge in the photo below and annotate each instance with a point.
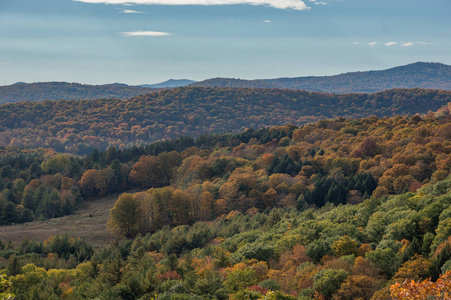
(416, 75)
(57, 90)
(420, 74)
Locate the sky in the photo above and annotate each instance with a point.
(150, 41)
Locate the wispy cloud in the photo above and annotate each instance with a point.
(424, 43)
(267, 21)
(398, 44)
(280, 4)
(144, 33)
(389, 44)
(318, 2)
(130, 11)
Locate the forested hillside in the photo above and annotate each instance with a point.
(421, 75)
(342, 209)
(64, 90)
(79, 126)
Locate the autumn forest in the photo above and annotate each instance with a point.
(232, 193)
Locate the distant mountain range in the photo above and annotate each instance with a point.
(420, 74)
(171, 83)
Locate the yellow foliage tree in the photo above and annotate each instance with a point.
(125, 215)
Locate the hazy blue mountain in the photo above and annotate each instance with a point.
(420, 74)
(171, 83)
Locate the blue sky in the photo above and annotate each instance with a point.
(148, 41)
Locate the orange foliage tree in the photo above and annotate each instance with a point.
(426, 289)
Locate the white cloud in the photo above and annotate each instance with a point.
(399, 44)
(281, 4)
(424, 43)
(391, 44)
(267, 21)
(144, 33)
(130, 11)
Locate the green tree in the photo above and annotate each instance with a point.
(328, 281)
(209, 284)
(238, 280)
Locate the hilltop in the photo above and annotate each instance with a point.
(171, 83)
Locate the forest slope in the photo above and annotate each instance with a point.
(420, 74)
(79, 126)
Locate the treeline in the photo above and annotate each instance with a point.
(392, 247)
(80, 126)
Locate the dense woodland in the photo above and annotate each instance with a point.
(340, 209)
(79, 126)
(416, 75)
(41, 91)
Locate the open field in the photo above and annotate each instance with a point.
(89, 222)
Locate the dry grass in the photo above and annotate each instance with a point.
(89, 222)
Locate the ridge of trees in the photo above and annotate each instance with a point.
(80, 126)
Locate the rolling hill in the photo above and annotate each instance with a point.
(79, 126)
